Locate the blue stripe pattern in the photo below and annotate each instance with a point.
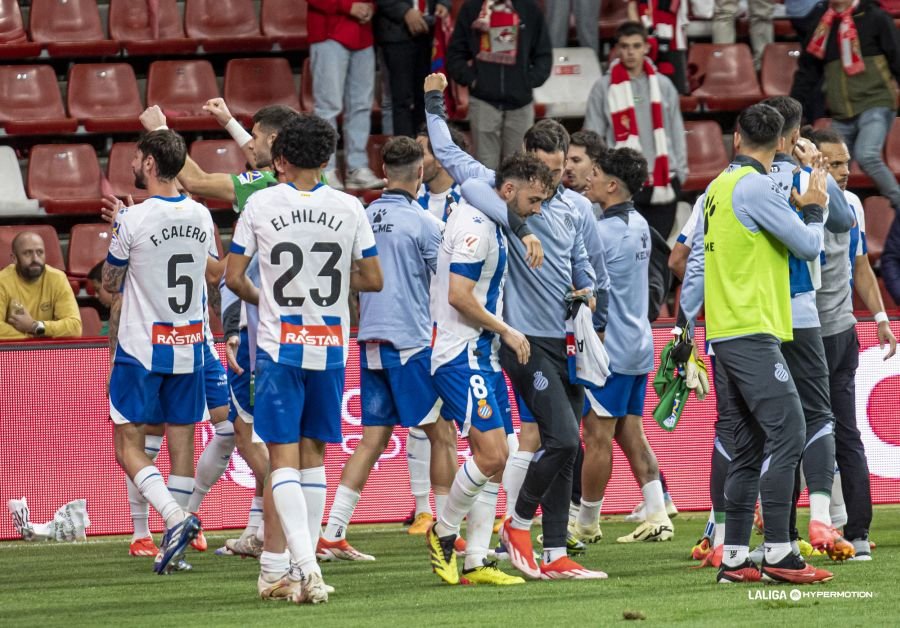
(291, 353)
(372, 251)
(283, 482)
(237, 248)
(334, 356)
(307, 485)
(112, 260)
(469, 270)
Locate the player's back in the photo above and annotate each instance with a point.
(408, 240)
(165, 242)
(306, 242)
(473, 247)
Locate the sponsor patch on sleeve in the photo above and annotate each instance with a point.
(470, 243)
(247, 178)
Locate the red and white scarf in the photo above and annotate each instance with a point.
(498, 24)
(848, 39)
(625, 128)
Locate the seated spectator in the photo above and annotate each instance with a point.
(500, 72)
(627, 106)
(587, 19)
(666, 22)
(762, 33)
(95, 276)
(856, 48)
(404, 30)
(36, 299)
(342, 57)
(439, 191)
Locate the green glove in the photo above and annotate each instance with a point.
(671, 404)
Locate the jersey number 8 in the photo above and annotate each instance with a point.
(476, 382)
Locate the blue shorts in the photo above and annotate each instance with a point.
(622, 394)
(401, 395)
(137, 395)
(240, 385)
(215, 380)
(284, 412)
(474, 398)
(525, 415)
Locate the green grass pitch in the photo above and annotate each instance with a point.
(97, 583)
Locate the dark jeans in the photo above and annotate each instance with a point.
(660, 217)
(408, 63)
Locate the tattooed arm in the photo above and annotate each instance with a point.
(113, 278)
(215, 298)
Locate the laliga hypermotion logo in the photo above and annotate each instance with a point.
(168, 334)
(883, 457)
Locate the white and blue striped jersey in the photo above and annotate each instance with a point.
(474, 247)
(306, 242)
(439, 204)
(165, 243)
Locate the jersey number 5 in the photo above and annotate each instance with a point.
(329, 270)
(176, 280)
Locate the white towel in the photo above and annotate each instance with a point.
(587, 357)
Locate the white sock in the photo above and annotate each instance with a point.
(573, 511)
(820, 507)
(735, 555)
(480, 525)
(710, 525)
(795, 548)
(553, 553)
(212, 463)
(345, 500)
(418, 460)
(513, 476)
(440, 502)
(519, 523)
(255, 515)
(467, 484)
(181, 487)
(776, 552)
(261, 531)
(719, 535)
(838, 508)
(654, 503)
(291, 507)
(150, 483)
(313, 483)
(273, 566)
(589, 513)
(140, 509)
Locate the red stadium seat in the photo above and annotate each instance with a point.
(373, 149)
(65, 178)
(120, 174)
(52, 248)
(612, 14)
(30, 102)
(88, 244)
(892, 149)
(91, 325)
(181, 88)
(284, 21)
(218, 156)
(251, 84)
(724, 75)
(14, 42)
(104, 97)
(224, 25)
(70, 28)
(707, 157)
(879, 217)
(129, 23)
(779, 63)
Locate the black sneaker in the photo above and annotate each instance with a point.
(745, 572)
(792, 568)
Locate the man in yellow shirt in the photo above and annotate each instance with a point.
(35, 300)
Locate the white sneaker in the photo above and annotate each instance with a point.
(246, 545)
(312, 591)
(364, 179)
(284, 588)
(590, 534)
(638, 515)
(333, 180)
(671, 510)
(648, 531)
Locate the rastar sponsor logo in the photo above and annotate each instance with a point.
(173, 335)
(312, 335)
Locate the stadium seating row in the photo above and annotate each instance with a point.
(73, 28)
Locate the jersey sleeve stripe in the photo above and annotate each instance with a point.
(470, 270)
(112, 260)
(237, 248)
(372, 251)
(682, 238)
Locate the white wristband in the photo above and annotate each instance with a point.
(881, 317)
(161, 128)
(237, 132)
(676, 331)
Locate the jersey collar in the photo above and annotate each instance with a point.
(619, 211)
(315, 187)
(170, 199)
(402, 193)
(744, 160)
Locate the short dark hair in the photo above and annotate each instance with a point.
(524, 167)
(96, 273)
(789, 108)
(455, 134)
(588, 140)
(821, 136)
(625, 164)
(274, 117)
(401, 156)
(547, 135)
(627, 29)
(760, 126)
(306, 142)
(168, 151)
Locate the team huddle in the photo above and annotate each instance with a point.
(463, 274)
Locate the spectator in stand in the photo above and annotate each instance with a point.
(666, 22)
(342, 56)
(628, 106)
(855, 47)
(890, 261)
(36, 299)
(587, 22)
(762, 33)
(405, 32)
(501, 51)
(798, 12)
(95, 276)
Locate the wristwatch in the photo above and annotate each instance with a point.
(38, 329)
